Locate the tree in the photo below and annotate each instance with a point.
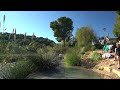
(116, 30)
(62, 28)
(85, 35)
(118, 12)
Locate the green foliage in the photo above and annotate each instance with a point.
(44, 50)
(87, 48)
(22, 39)
(116, 30)
(11, 58)
(118, 12)
(35, 59)
(96, 56)
(3, 46)
(33, 46)
(62, 28)
(71, 58)
(98, 46)
(14, 48)
(48, 60)
(14, 53)
(93, 48)
(84, 36)
(19, 70)
(58, 49)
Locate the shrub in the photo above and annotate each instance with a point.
(96, 56)
(99, 46)
(60, 49)
(71, 58)
(1, 57)
(93, 48)
(19, 70)
(57, 49)
(44, 50)
(9, 58)
(44, 61)
(50, 60)
(85, 48)
(35, 59)
(81, 54)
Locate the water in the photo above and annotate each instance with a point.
(66, 73)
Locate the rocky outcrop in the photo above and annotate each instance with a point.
(108, 68)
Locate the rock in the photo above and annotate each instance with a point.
(101, 68)
(111, 64)
(60, 55)
(116, 72)
(107, 69)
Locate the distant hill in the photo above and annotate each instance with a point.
(24, 39)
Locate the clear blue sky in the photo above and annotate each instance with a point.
(39, 21)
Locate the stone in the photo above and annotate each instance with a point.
(101, 68)
(107, 69)
(116, 72)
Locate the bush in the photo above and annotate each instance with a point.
(99, 46)
(71, 58)
(84, 49)
(93, 48)
(44, 50)
(87, 48)
(19, 70)
(81, 54)
(45, 61)
(9, 58)
(60, 49)
(57, 49)
(50, 60)
(35, 59)
(41, 50)
(96, 56)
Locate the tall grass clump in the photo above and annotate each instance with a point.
(19, 70)
(93, 48)
(96, 56)
(48, 60)
(71, 58)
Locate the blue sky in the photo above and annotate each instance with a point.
(38, 22)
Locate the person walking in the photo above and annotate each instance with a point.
(117, 53)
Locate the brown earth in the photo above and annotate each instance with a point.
(102, 67)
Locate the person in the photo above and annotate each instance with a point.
(117, 53)
(105, 48)
(110, 48)
(115, 56)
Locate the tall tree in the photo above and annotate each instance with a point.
(85, 36)
(116, 30)
(62, 28)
